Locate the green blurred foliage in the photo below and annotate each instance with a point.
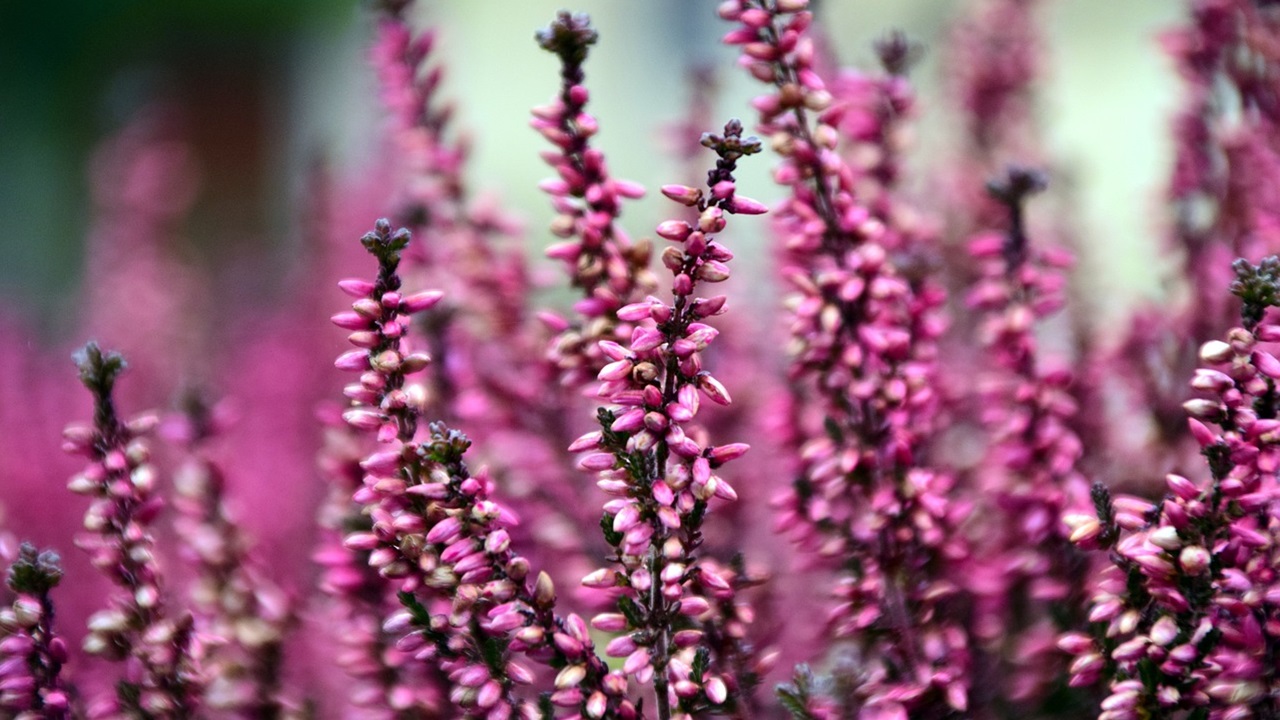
(72, 71)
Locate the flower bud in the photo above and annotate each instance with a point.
(1216, 351)
(683, 194)
(544, 591)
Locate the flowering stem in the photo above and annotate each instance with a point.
(234, 598)
(121, 482)
(610, 270)
(661, 478)
(33, 683)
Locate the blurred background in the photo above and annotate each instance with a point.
(263, 91)
(169, 153)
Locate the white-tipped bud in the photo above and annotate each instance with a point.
(1216, 351)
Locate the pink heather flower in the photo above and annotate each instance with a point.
(31, 653)
(139, 297)
(435, 601)
(864, 372)
(994, 58)
(484, 323)
(445, 544)
(610, 270)
(994, 55)
(660, 479)
(384, 677)
(483, 330)
(1186, 609)
(1227, 157)
(429, 183)
(1030, 474)
(232, 596)
(162, 655)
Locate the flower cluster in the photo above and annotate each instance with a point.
(863, 355)
(1187, 615)
(651, 461)
(1227, 158)
(1030, 475)
(472, 559)
(231, 595)
(603, 262)
(442, 540)
(996, 58)
(1221, 189)
(163, 656)
(31, 653)
(385, 679)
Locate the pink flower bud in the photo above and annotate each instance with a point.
(445, 530)
(351, 321)
(717, 691)
(694, 606)
(1165, 537)
(489, 695)
(601, 579)
(1203, 409)
(1216, 351)
(1266, 364)
(356, 288)
(674, 230)
(353, 360)
(634, 312)
(682, 194)
(644, 339)
(627, 518)
(609, 622)
(721, 454)
(635, 661)
(420, 301)
(588, 441)
(613, 350)
(620, 646)
(746, 206)
(713, 389)
(1075, 643)
(1201, 433)
(597, 461)
(363, 419)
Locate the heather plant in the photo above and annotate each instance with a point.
(1184, 615)
(896, 497)
(32, 652)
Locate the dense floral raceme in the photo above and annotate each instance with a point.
(32, 654)
(661, 478)
(863, 354)
(162, 654)
(1187, 615)
(1221, 189)
(923, 501)
(231, 596)
(603, 262)
(1030, 475)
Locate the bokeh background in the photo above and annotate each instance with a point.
(261, 94)
(267, 89)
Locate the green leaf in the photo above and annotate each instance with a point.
(611, 536)
(421, 617)
(793, 702)
(631, 611)
(833, 430)
(700, 662)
